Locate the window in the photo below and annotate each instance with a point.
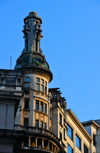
(27, 79)
(85, 149)
(26, 106)
(69, 149)
(60, 136)
(25, 121)
(41, 106)
(41, 124)
(37, 104)
(45, 108)
(45, 87)
(64, 133)
(38, 84)
(69, 132)
(37, 123)
(60, 118)
(26, 141)
(78, 142)
(45, 126)
(94, 140)
(42, 85)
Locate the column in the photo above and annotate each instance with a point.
(74, 140)
(35, 142)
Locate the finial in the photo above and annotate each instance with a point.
(32, 13)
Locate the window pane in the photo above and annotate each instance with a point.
(45, 83)
(60, 118)
(42, 81)
(45, 126)
(94, 141)
(69, 149)
(38, 80)
(27, 79)
(45, 108)
(69, 132)
(78, 142)
(85, 149)
(26, 103)
(25, 121)
(38, 87)
(37, 123)
(37, 105)
(41, 124)
(41, 106)
(42, 88)
(46, 90)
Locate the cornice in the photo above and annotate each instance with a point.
(78, 124)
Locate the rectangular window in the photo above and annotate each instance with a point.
(25, 121)
(26, 104)
(60, 118)
(85, 149)
(38, 80)
(41, 106)
(94, 140)
(26, 142)
(38, 84)
(42, 88)
(37, 123)
(38, 87)
(45, 108)
(27, 79)
(45, 87)
(69, 132)
(78, 142)
(42, 85)
(60, 136)
(41, 124)
(69, 149)
(64, 133)
(45, 126)
(37, 104)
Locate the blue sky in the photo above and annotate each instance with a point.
(71, 45)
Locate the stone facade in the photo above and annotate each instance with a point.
(34, 118)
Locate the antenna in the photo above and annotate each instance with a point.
(10, 62)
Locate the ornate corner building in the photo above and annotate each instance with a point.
(34, 118)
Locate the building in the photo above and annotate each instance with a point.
(34, 118)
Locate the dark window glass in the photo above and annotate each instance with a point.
(37, 105)
(42, 88)
(50, 146)
(60, 136)
(78, 142)
(27, 79)
(26, 142)
(85, 149)
(64, 133)
(69, 132)
(39, 143)
(26, 103)
(69, 149)
(25, 121)
(33, 142)
(38, 86)
(45, 126)
(45, 108)
(45, 144)
(38, 80)
(45, 83)
(60, 118)
(37, 123)
(42, 81)
(41, 106)
(41, 124)
(46, 90)
(94, 140)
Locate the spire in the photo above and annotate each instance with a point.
(32, 32)
(32, 57)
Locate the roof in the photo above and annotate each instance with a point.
(90, 122)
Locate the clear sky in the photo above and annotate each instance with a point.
(71, 45)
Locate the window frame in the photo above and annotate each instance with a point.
(71, 132)
(37, 106)
(26, 100)
(79, 143)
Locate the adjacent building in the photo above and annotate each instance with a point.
(33, 117)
